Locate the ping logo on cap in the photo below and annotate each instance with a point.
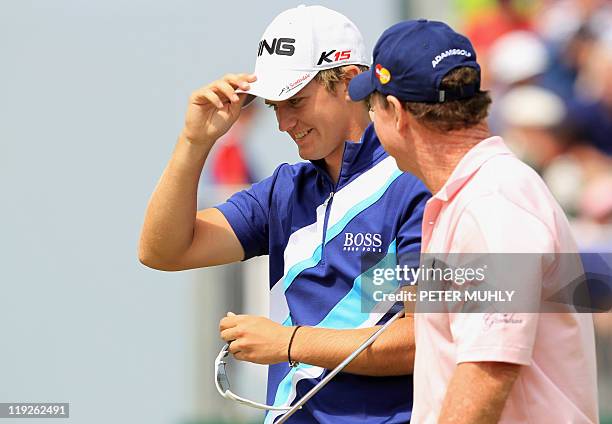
(383, 74)
(279, 46)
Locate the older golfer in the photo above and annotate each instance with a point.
(429, 113)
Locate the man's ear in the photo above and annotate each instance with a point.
(399, 115)
(350, 72)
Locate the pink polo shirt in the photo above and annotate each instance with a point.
(494, 203)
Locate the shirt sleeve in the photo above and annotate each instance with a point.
(409, 234)
(516, 246)
(248, 213)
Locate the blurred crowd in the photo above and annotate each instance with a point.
(548, 65)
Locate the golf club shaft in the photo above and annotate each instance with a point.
(339, 368)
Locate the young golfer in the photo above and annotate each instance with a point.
(316, 220)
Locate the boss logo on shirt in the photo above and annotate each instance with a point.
(364, 242)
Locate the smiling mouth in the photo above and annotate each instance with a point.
(300, 135)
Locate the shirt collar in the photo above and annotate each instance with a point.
(469, 164)
(356, 156)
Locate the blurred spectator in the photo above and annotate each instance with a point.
(532, 116)
(568, 58)
(596, 200)
(576, 173)
(229, 164)
(581, 70)
(517, 57)
(537, 128)
(532, 106)
(559, 20)
(486, 24)
(591, 111)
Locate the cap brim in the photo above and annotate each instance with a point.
(249, 98)
(361, 86)
(277, 85)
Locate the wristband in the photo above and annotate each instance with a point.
(292, 364)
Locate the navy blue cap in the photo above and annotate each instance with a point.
(410, 60)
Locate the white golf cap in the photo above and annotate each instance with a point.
(517, 56)
(532, 106)
(299, 43)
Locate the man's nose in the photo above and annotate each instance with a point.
(286, 118)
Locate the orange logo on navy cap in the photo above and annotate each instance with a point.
(383, 74)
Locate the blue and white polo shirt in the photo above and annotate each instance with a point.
(315, 233)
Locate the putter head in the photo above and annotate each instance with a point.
(223, 385)
(220, 372)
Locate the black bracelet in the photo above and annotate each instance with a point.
(292, 364)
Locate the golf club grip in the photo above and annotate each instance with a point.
(339, 368)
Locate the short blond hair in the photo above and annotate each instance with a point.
(328, 78)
